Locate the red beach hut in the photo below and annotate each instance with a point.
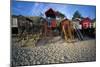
(86, 23)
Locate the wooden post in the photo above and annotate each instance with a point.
(65, 35)
(45, 29)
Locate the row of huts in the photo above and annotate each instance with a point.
(51, 23)
(81, 26)
(19, 22)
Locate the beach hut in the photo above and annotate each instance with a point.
(24, 24)
(67, 29)
(77, 28)
(14, 25)
(50, 21)
(76, 24)
(21, 26)
(86, 26)
(86, 23)
(93, 24)
(51, 18)
(93, 28)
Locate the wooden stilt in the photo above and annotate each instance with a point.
(65, 35)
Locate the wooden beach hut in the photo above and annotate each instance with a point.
(67, 29)
(50, 23)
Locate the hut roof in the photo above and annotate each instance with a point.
(65, 20)
(50, 13)
(87, 19)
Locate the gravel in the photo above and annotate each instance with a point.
(55, 51)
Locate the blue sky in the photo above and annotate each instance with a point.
(35, 9)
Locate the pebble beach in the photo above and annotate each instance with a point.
(55, 51)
